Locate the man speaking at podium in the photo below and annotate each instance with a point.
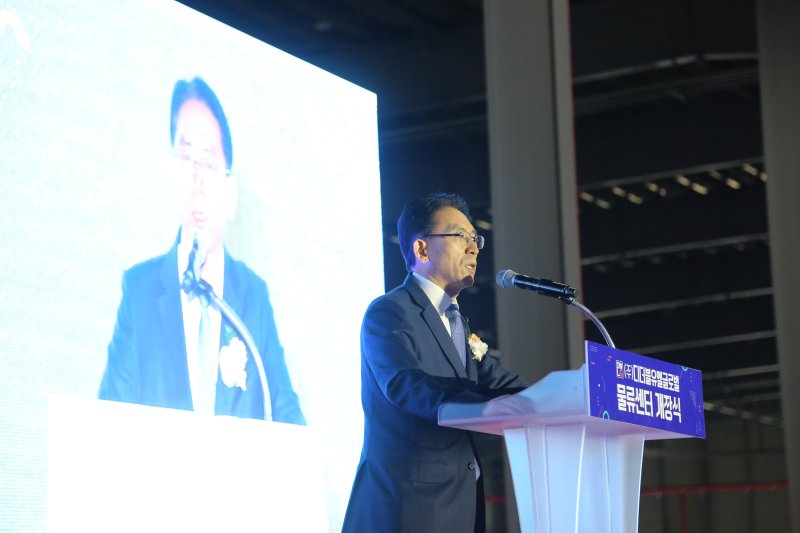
(416, 354)
(170, 349)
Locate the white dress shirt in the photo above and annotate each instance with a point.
(438, 297)
(190, 307)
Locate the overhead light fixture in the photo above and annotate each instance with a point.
(699, 188)
(652, 187)
(323, 25)
(714, 174)
(763, 176)
(732, 183)
(619, 191)
(603, 203)
(586, 197)
(750, 169)
(483, 224)
(635, 199)
(683, 180)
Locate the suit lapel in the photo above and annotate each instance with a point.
(434, 322)
(234, 296)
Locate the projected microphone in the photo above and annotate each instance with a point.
(191, 276)
(545, 287)
(194, 286)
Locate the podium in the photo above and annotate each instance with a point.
(575, 439)
(122, 467)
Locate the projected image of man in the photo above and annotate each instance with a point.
(169, 348)
(414, 475)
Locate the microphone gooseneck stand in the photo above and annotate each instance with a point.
(193, 285)
(509, 279)
(588, 314)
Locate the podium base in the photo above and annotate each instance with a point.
(567, 479)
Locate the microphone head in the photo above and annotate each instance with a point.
(198, 256)
(505, 278)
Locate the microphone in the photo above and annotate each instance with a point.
(196, 287)
(191, 276)
(545, 287)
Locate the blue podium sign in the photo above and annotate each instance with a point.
(632, 388)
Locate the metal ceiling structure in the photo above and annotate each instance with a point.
(673, 224)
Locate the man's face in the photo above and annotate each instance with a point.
(450, 262)
(206, 195)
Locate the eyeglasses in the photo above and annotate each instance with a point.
(478, 240)
(203, 167)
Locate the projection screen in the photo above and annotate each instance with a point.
(85, 90)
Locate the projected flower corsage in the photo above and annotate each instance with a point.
(232, 361)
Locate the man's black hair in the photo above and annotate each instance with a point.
(198, 89)
(418, 218)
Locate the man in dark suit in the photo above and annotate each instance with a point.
(414, 475)
(170, 349)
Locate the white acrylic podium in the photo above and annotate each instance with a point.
(123, 467)
(572, 472)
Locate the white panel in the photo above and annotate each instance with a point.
(123, 467)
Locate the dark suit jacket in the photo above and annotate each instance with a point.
(147, 354)
(414, 475)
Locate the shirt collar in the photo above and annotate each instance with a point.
(438, 297)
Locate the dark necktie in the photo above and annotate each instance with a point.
(457, 332)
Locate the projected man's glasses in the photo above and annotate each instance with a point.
(478, 240)
(203, 167)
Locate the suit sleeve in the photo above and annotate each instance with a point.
(283, 399)
(120, 380)
(392, 353)
(495, 380)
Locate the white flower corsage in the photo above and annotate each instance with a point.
(477, 347)
(232, 360)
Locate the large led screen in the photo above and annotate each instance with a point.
(88, 165)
